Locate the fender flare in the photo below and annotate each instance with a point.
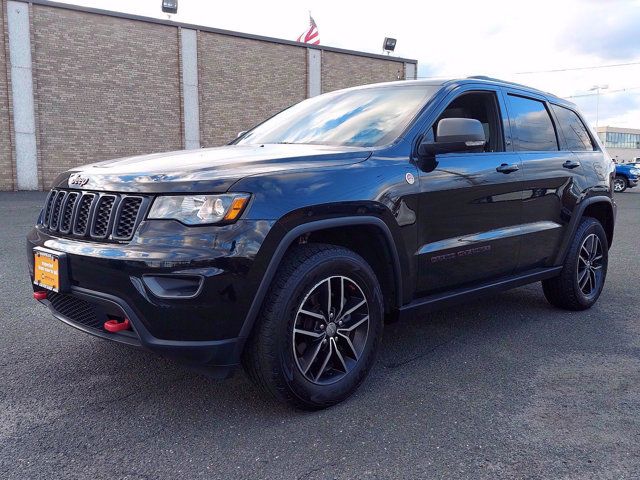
(288, 240)
(575, 221)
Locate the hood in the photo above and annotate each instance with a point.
(204, 170)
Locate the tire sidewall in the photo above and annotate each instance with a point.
(300, 284)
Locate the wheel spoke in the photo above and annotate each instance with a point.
(339, 355)
(328, 296)
(594, 246)
(341, 297)
(586, 250)
(353, 309)
(314, 355)
(308, 333)
(581, 276)
(348, 340)
(584, 279)
(592, 280)
(355, 325)
(319, 316)
(324, 363)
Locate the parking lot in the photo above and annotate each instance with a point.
(503, 387)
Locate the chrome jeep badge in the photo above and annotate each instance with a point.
(78, 180)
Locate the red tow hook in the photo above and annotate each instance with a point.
(114, 326)
(40, 295)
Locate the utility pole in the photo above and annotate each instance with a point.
(597, 89)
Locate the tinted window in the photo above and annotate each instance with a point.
(574, 130)
(533, 126)
(364, 117)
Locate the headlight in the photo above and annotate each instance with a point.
(635, 171)
(199, 209)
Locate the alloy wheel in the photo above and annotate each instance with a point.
(330, 330)
(618, 185)
(590, 259)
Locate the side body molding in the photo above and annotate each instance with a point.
(286, 242)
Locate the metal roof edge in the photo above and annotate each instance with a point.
(231, 33)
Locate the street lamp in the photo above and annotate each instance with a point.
(597, 89)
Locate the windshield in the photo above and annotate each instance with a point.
(366, 117)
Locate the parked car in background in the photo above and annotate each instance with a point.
(626, 176)
(287, 250)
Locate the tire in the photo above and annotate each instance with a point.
(588, 256)
(291, 353)
(620, 184)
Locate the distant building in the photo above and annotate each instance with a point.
(623, 144)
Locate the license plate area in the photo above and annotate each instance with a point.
(50, 269)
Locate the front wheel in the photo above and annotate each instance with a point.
(619, 184)
(319, 330)
(584, 271)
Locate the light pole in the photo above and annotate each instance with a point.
(597, 88)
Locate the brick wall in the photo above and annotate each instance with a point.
(6, 161)
(340, 70)
(244, 81)
(105, 87)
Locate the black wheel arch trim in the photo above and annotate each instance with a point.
(288, 240)
(575, 221)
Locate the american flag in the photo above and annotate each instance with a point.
(310, 36)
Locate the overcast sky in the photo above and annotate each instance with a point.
(456, 38)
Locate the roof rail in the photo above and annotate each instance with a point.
(492, 79)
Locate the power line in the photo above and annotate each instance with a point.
(594, 67)
(557, 70)
(603, 93)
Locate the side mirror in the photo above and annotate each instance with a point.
(455, 135)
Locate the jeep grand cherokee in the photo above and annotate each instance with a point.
(287, 249)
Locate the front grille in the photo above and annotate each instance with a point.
(76, 310)
(94, 216)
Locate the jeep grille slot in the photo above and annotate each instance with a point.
(48, 206)
(67, 212)
(55, 213)
(127, 217)
(102, 216)
(93, 216)
(82, 215)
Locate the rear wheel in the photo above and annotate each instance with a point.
(585, 268)
(319, 330)
(619, 184)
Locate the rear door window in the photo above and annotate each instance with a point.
(534, 130)
(575, 133)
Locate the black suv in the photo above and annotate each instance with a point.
(287, 249)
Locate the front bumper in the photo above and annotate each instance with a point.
(107, 281)
(87, 311)
(632, 182)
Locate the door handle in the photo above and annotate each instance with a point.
(571, 164)
(506, 168)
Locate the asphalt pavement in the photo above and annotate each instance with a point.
(505, 387)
